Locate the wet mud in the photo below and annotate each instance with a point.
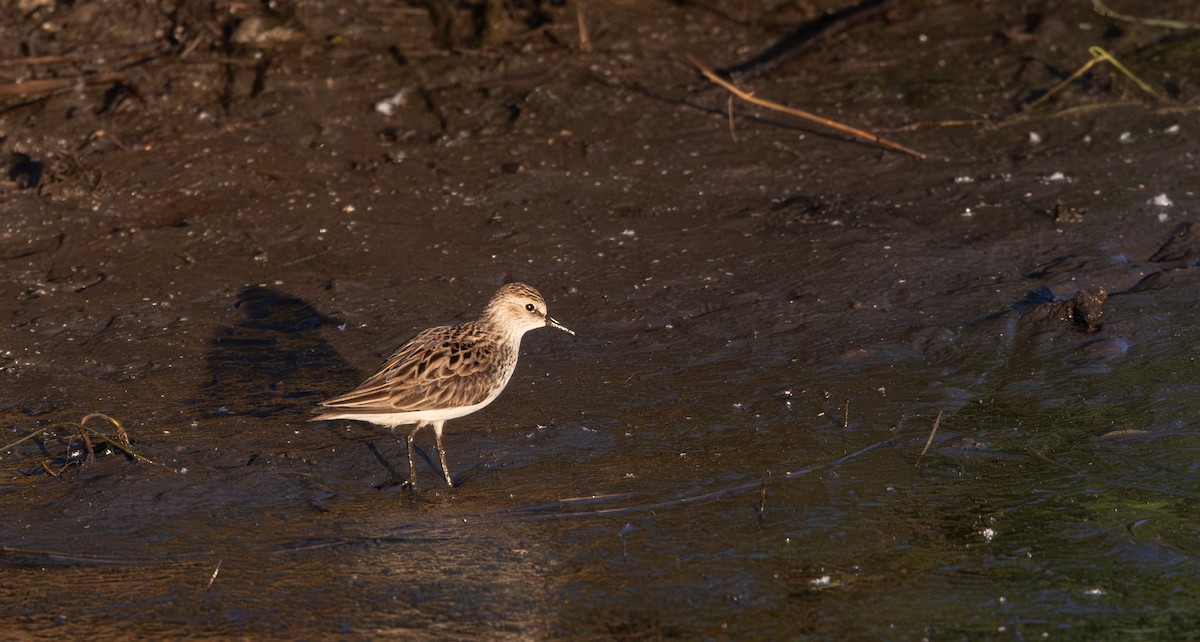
(215, 215)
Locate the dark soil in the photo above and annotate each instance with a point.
(214, 215)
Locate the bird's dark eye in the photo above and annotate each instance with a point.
(529, 307)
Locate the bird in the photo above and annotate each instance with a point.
(446, 372)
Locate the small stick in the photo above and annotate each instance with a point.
(846, 416)
(214, 574)
(729, 111)
(30, 61)
(50, 85)
(46, 60)
(798, 113)
(585, 42)
(930, 440)
(1100, 8)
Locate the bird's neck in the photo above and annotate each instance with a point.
(492, 323)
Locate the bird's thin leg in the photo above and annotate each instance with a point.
(412, 468)
(437, 436)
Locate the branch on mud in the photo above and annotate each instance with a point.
(112, 56)
(820, 120)
(51, 85)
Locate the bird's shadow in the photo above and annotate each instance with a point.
(274, 362)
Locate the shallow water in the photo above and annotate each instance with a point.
(691, 501)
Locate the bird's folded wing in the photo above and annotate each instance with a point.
(445, 367)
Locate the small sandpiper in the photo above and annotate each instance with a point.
(446, 372)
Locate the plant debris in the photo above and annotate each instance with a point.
(78, 443)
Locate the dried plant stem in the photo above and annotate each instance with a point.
(729, 111)
(798, 113)
(213, 577)
(120, 441)
(929, 441)
(87, 446)
(51, 85)
(585, 41)
(1098, 55)
(1180, 25)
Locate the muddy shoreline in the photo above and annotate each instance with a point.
(215, 216)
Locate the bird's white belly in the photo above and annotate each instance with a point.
(393, 419)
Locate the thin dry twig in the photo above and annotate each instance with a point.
(51, 85)
(1180, 25)
(929, 441)
(1025, 117)
(729, 111)
(1099, 55)
(585, 41)
(213, 578)
(798, 113)
(32, 61)
(88, 57)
